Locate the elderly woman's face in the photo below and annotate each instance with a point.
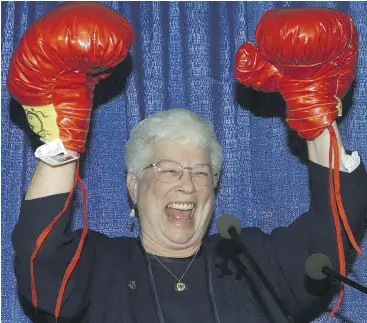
(174, 215)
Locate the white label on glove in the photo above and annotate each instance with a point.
(54, 153)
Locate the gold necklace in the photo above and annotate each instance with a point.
(179, 286)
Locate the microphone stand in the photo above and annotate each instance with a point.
(234, 235)
(327, 271)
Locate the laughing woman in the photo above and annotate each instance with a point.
(174, 271)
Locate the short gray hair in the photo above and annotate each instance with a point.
(180, 125)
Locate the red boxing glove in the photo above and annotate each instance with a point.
(53, 73)
(313, 52)
(310, 57)
(59, 61)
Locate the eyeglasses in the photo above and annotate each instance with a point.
(168, 171)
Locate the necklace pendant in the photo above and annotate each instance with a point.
(180, 287)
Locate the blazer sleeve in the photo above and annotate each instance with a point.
(54, 256)
(314, 232)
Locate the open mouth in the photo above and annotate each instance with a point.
(180, 213)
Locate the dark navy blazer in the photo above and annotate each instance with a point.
(99, 292)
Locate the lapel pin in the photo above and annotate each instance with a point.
(132, 284)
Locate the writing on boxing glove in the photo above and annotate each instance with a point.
(57, 64)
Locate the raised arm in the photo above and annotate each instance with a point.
(310, 56)
(52, 74)
(50, 180)
(318, 151)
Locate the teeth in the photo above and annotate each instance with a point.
(181, 206)
(189, 220)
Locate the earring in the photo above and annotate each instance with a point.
(132, 212)
(133, 218)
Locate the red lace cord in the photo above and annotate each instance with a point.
(42, 237)
(338, 211)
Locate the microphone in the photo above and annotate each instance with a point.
(229, 227)
(318, 266)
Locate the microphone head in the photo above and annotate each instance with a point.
(314, 265)
(225, 222)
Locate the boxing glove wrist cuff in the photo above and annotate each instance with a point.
(54, 153)
(350, 162)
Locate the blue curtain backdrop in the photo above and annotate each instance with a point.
(183, 57)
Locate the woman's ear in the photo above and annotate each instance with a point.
(132, 186)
